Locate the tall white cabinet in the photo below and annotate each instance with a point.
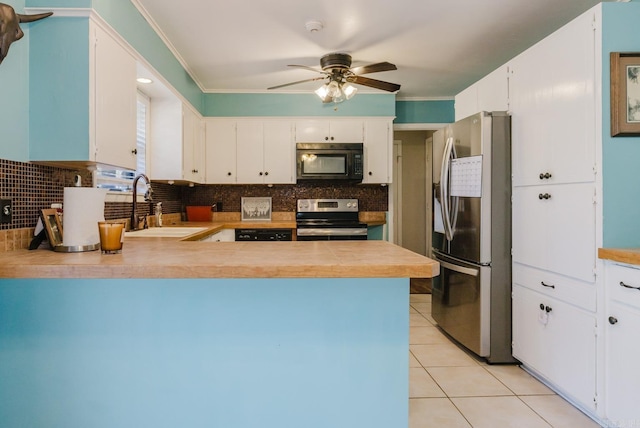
(554, 210)
(552, 92)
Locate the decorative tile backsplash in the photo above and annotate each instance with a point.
(284, 196)
(33, 187)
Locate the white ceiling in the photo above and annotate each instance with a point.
(440, 47)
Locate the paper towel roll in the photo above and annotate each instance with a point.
(83, 209)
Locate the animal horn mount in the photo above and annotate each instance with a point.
(10, 27)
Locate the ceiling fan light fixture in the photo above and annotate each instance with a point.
(322, 92)
(349, 90)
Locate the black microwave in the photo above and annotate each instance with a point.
(330, 161)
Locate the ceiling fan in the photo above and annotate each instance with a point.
(337, 71)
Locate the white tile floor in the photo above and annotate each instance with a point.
(450, 388)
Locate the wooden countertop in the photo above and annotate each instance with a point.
(623, 255)
(171, 258)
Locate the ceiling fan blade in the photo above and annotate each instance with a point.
(295, 83)
(373, 83)
(307, 68)
(374, 68)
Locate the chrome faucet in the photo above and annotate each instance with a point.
(148, 197)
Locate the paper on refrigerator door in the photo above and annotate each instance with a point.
(466, 177)
(438, 223)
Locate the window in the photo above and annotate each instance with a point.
(121, 180)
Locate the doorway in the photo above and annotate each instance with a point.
(412, 190)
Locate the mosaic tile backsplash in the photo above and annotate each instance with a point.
(32, 188)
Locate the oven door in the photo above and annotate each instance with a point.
(331, 233)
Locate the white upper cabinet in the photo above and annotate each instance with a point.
(265, 152)
(220, 150)
(378, 144)
(329, 131)
(176, 146)
(491, 93)
(85, 109)
(279, 152)
(193, 151)
(250, 151)
(115, 102)
(552, 96)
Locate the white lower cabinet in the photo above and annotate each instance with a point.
(557, 341)
(622, 327)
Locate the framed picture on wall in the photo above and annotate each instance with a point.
(625, 93)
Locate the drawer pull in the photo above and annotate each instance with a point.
(544, 196)
(613, 320)
(547, 309)
(628, 286)
(545, 175)
(547, 285)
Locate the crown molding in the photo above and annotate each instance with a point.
(425, 99)
(155, 27)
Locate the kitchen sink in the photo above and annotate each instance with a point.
(164, 232)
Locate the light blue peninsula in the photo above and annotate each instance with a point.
(195, 334)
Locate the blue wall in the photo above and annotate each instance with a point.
(14, 96)
(621, 155)
(296, 105)
(435, 111)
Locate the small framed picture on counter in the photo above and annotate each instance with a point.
(625, 93)
(256, 209)
(52, 226)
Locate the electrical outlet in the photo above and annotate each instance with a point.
(5, 211)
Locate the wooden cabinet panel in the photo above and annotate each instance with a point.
(377, 152)
(220, 146)
(553, 107)
(558, 341)
(325, 131)
(554, 228)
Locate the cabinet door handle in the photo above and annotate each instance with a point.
(622, 284)
(548, 309)
(613, 320)
(228, 173)
(547, 285)
(260, 173)
(266, 173)
(542, 306)
(545, 175)
(134, 151)
(544, 196)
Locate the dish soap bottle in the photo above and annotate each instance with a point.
(159, 214)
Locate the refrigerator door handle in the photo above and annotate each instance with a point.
(445, 190)
(459, 269)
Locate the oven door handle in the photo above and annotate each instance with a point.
(331, 231)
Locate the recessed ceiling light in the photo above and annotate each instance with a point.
(144, 80)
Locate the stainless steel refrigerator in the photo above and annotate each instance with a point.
(471, 299)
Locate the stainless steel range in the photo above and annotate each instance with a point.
(328, 220)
